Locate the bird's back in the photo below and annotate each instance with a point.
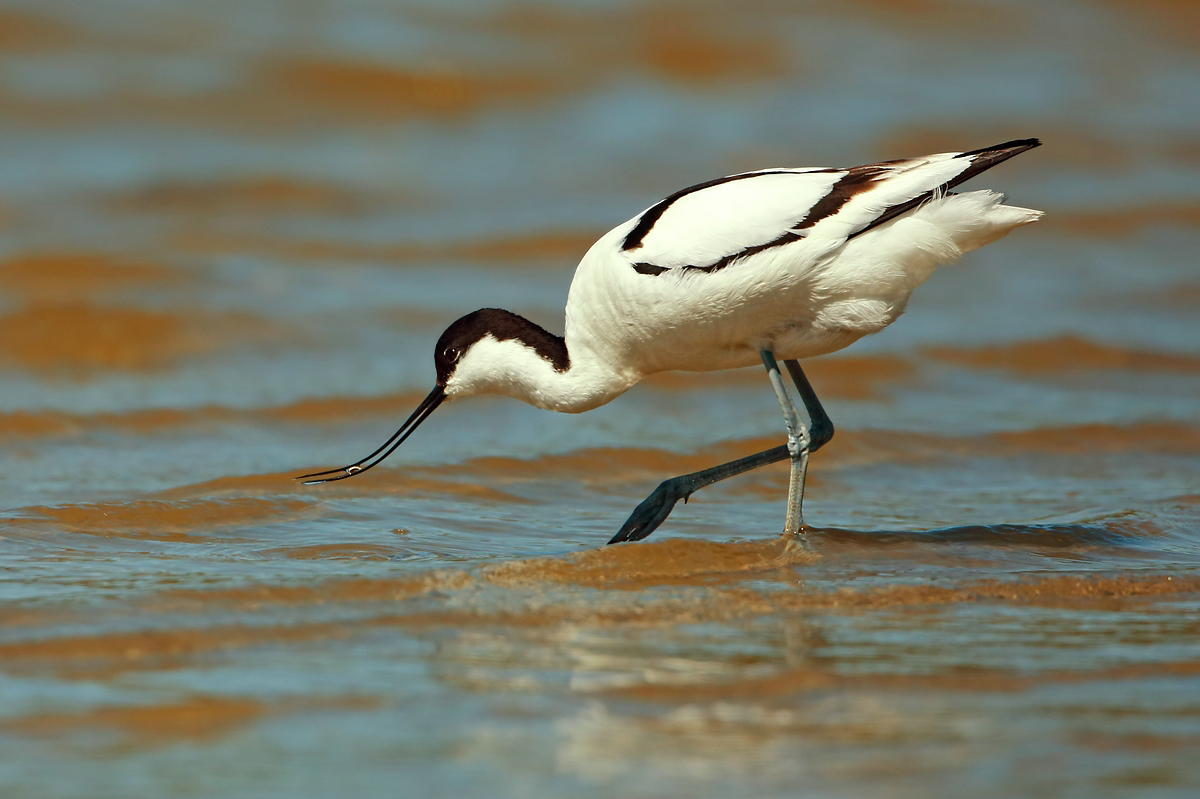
(800, 261)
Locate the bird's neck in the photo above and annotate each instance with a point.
(521, 359)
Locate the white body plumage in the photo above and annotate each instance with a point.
(722, 272)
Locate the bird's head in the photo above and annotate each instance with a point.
(487, 351)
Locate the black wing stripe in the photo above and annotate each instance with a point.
(981, 160)
(787, 238)
(635, 237)
(856, 180)
(648, 269)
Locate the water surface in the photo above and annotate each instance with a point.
(230, 234)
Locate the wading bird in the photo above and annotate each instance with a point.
(778, 264)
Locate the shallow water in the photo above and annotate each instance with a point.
(230, 234)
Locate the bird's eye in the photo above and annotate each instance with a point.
(450, 354)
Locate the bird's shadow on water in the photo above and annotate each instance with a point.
(1029, 535)
(669, 560)
(1118, 537)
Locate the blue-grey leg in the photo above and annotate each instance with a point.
(654, 510)
(820, 426)
(797, 446)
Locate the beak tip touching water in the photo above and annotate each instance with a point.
(427, 407)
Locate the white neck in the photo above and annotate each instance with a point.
(513, 367)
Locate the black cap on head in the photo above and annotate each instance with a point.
(501, 325)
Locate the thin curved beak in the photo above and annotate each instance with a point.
(427, 406)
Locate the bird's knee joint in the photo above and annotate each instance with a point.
(797, 446)
(673, 488)
(799, 441)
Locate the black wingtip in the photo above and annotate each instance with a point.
(979, 160)
(1015, 146)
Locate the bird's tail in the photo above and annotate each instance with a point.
(976, 218)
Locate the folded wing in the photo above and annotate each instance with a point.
(713, 225)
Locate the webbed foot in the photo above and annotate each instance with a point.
(654, 510)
